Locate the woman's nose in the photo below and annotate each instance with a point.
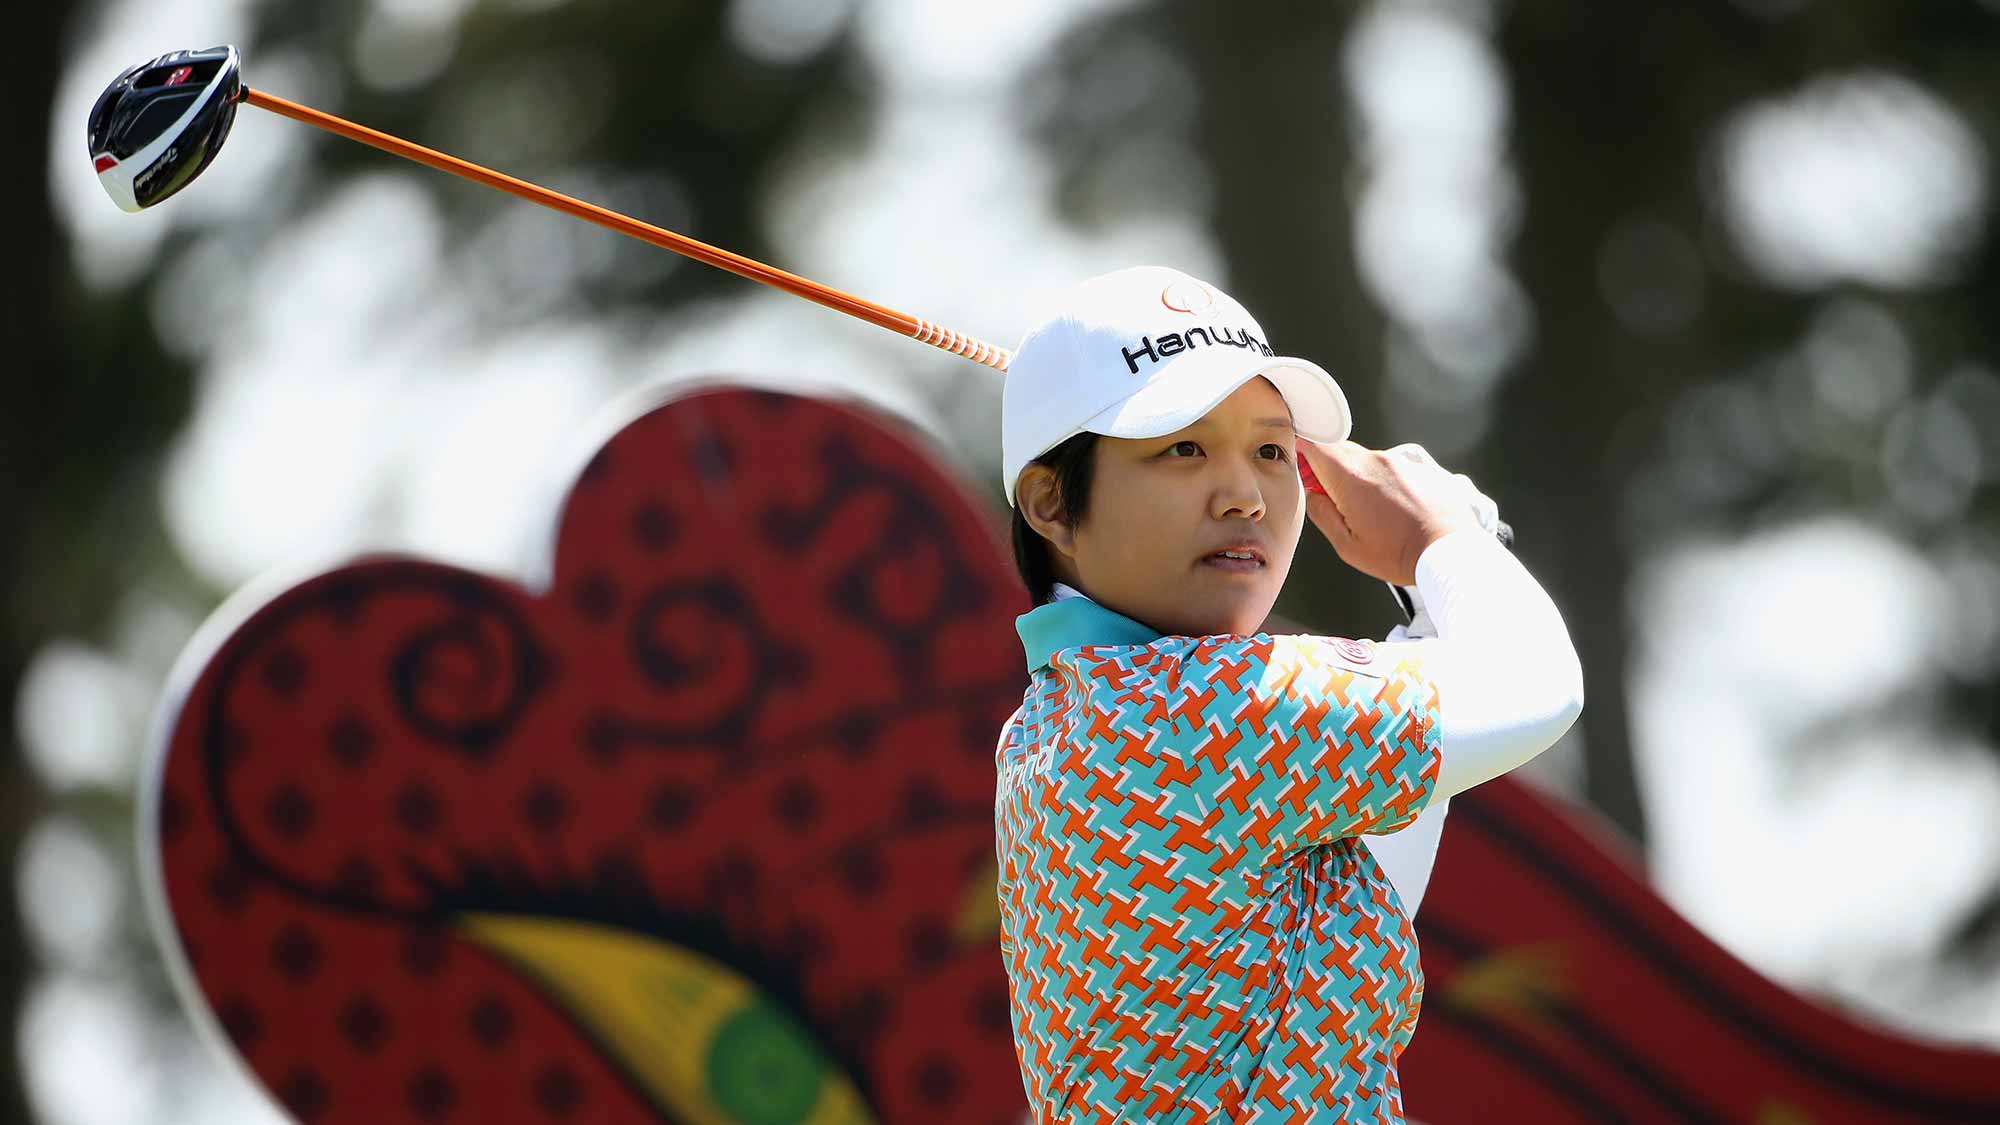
(1239, 495)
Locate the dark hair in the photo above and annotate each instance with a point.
(1073, 461)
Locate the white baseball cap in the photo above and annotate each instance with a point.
(1141, 352)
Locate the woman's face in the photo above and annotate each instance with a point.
(1167, 513)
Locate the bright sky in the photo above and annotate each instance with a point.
(348, 404)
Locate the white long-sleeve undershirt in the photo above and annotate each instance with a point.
(1509, 684)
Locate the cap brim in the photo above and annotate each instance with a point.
(1196, 384)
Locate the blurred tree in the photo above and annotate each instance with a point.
(29, 310)
(91, 399)
(1618, 126)
(675, 113)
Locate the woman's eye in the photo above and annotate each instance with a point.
(1274, 452)
(1184, 449)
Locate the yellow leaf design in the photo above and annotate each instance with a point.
(707, 1045)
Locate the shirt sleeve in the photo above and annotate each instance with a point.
(1259, 745)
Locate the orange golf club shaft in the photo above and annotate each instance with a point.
(916, 328)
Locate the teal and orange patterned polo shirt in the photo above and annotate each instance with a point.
(1192, 932)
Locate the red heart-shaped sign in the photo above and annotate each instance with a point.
(700, 832)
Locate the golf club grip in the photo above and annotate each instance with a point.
(915, 328)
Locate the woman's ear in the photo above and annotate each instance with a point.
(1040, 500)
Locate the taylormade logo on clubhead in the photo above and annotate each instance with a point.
(159, 124)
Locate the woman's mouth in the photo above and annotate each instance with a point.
(1236, 560)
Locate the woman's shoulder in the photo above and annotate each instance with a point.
(1237, 661)
(1365, 657)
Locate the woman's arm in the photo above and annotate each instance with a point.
(1508, 686)
(1509, 683)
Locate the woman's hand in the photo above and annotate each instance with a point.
(1381, 510)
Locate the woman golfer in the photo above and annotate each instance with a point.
(1194, 929)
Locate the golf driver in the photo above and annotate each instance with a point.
(160, 124)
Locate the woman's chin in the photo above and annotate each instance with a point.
(1241, 616)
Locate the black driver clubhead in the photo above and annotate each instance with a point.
(156, 127)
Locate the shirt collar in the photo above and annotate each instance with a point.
(1072, 620)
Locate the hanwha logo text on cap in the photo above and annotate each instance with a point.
(1190, 297)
